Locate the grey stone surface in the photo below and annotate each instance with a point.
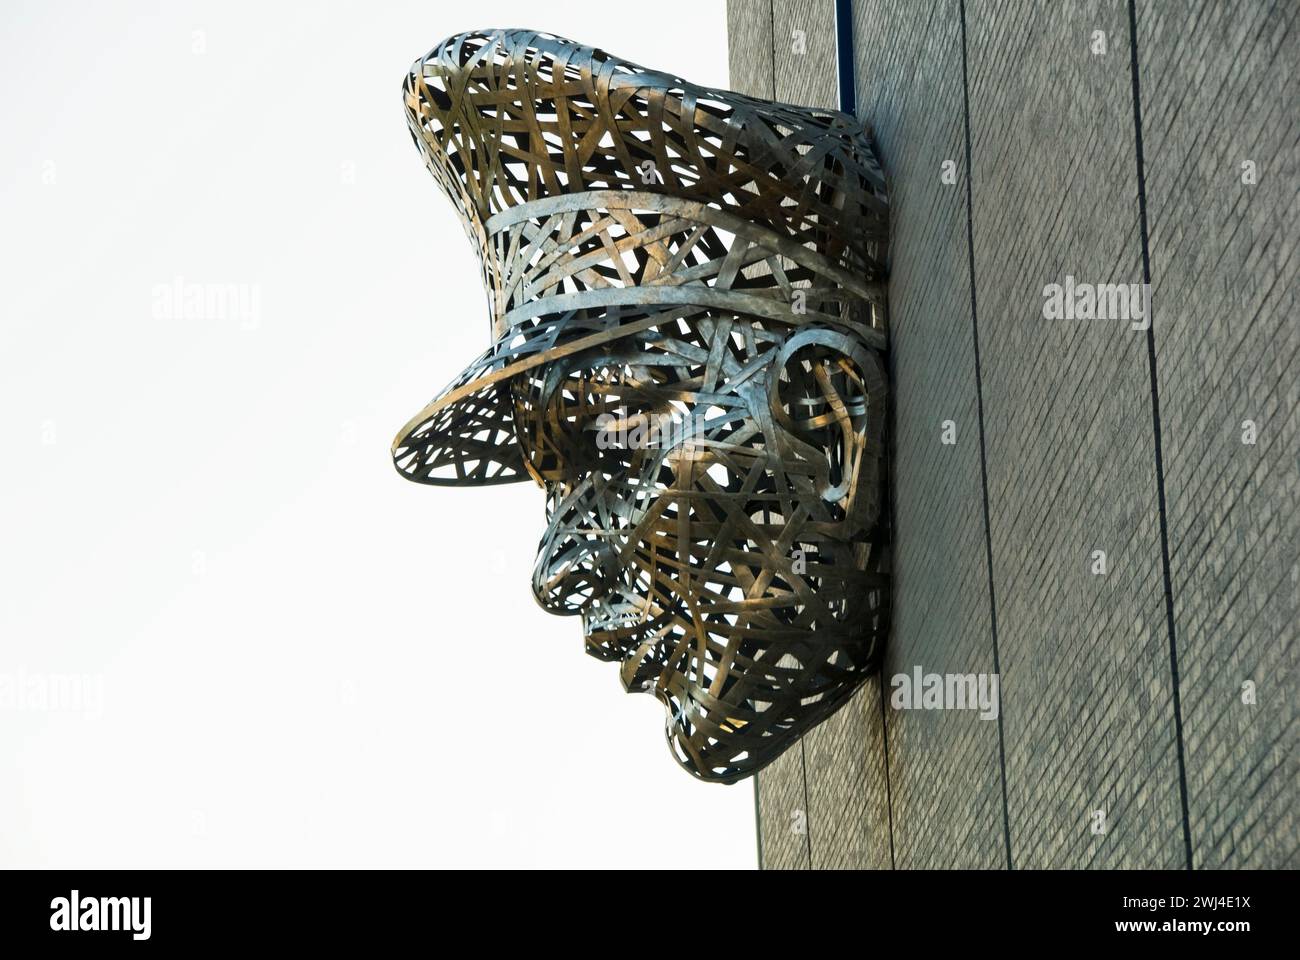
(848, 806)
(806, 77)
(944, 767)
(1088, 689)
(749, 47)
(1219, 87)
(783, 812)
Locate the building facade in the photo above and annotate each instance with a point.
(1096, 497)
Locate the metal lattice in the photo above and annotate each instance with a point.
(688, 324)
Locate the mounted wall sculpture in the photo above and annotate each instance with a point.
(688, 333)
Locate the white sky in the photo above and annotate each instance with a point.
(305, 660)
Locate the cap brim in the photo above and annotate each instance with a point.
(462, 439)
(466, 435)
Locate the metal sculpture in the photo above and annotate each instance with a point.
(688, 328)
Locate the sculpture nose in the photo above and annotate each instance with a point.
(571, 574)
(576, 564)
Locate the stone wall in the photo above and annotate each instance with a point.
(1020, 150)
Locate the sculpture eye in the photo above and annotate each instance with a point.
(598, 416)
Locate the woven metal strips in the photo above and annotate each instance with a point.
(688, 324)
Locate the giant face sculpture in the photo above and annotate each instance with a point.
(688, 330)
